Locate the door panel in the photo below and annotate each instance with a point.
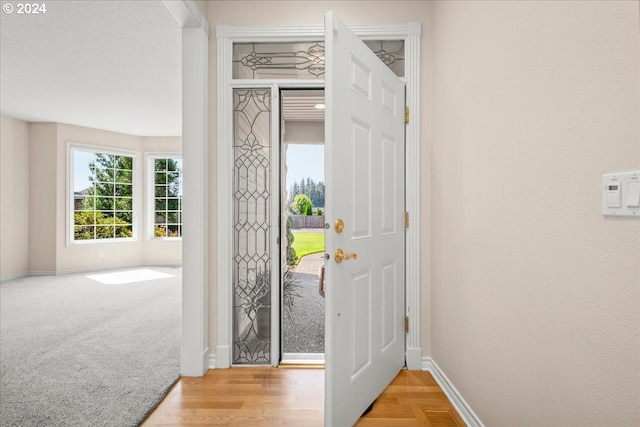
(364, 158)
(389, 304)
(360, 318)
(390, 198)
(360, 179)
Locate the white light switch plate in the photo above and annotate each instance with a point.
(628, 205)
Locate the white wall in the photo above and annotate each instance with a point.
(43, 168)
(14, 197)
(536, 295)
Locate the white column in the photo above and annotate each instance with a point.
(195, 100)
(195, 284)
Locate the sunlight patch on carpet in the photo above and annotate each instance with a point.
(130, 276)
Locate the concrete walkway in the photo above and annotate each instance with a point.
(310, 264)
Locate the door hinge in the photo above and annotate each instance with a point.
(406, 115)
(406, 220)
(406, 324)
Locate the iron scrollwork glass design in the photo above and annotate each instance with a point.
(278, 60)
(252, 226)
(390, 52)
(302, 60)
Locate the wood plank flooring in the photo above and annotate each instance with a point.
(295, 397)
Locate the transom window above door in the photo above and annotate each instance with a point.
(302, 60)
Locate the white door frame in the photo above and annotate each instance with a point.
(226, 36)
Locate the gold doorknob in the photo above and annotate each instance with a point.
(339, 225)
(339, 255)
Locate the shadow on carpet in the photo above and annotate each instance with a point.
(77, 352)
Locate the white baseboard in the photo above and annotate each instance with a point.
(194, 364)
(41, 273)
(212, 361)
(13, 276)
(414, 358)
(223, 356)
(464, 410)
(303, 358)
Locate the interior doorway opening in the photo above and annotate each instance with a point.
(302, 209)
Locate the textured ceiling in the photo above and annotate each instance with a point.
(113, 65)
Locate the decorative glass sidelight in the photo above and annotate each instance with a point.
(302, 60)
(252, 226)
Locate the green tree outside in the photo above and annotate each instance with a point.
(314, 190)
(168, 198)
(107, 211)
(301, 203)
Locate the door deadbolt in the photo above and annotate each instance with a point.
(339, 225)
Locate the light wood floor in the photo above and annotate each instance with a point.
(295, 397)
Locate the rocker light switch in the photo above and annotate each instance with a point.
(633, 194)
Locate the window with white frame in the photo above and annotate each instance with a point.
(103, 190)
(166, 192)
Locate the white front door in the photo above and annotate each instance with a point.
(364, 158)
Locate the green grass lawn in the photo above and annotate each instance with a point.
(307, 243)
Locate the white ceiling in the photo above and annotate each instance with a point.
(113, 65)
(299, 105)
(303, 122)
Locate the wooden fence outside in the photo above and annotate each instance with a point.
(307, 221)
